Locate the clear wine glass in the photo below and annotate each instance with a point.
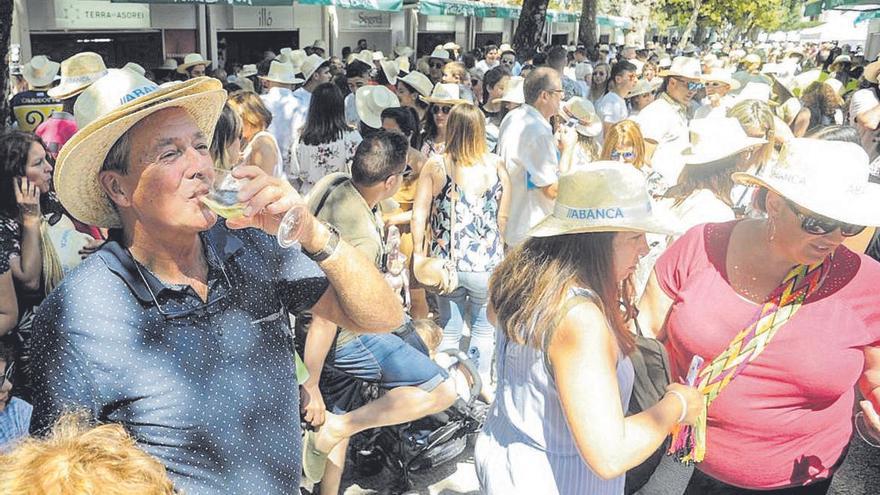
(867, 434)
(222, 198)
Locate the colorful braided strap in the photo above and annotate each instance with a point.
(689, 442)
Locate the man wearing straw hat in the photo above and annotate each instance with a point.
(32, 107)
(177, 327)
(665, 121)
(281, 102)
(194, 65)
(864, 110)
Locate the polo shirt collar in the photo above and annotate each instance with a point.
(119, 261)
(678, 106)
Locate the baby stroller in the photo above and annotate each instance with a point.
(431, 441)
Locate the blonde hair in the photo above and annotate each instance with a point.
(250, 108)
(430, 333)
(622, 133)
(465, 135)
(77, 459)
(456, 70)
(757, 120)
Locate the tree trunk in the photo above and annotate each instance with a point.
(587, 30)
(530, 26)
(5, 29)
(685, 35)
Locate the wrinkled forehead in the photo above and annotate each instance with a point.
(165, 126)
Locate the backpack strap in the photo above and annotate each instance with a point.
(334, 183)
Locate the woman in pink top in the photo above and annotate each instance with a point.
(784, 420)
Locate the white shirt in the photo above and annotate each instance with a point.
(351, 113)
(528, 147)
(279, 162)
(611, 108)
(666, 122)
(282, 104)
(862, 101)
(706, 110)
(485, 66)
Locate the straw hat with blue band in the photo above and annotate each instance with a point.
(607, 197)
(123, 100)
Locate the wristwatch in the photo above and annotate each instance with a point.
(328, 249)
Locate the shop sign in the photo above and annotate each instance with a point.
(366, 20)
(262, 18)
(100, 14)
(253, 3)
(385, 5)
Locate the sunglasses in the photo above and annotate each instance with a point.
(817, 225)
(437, 65)
(715, 84)
(627, 155)
(438, 108)
(693, 85)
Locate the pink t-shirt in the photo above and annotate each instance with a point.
(787, 418)
(56, 131)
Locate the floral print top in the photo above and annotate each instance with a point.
(478, 246)
(315, 162)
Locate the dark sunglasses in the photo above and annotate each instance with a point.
(437, 65)
(438, 108)
(627, 155)
(7, 375)
(171, 315)
(816, 225)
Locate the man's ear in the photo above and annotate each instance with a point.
(111, 182)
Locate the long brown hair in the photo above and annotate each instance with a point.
(529, 287)
(466, 134)
(621, 133)
(713, 176)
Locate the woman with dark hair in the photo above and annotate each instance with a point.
(226, 143)
(410, 87)
(441, 101)
(494, 84)
(403, 119)
(821, 106)
(327, 143)
(30, 216)
(562, 331)
(261, 148)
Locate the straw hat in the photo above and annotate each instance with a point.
(378, 56)
(642, 86)
(717, 138)
(582, 70)
(505, 47)
(607, 197)
(686, 67)
(838, 61)
(365, 56)
(604, 48)
(789, 110)
(755, 91)
(451, 45)
(126, 100)
(248, 70)
(835, 84)
(664, 63)
(871, 71)
(419, 82)
(403, 63)
(168, 64)
(391, 70)
(281, 72)
(444, 94)
(752, 59)
(403, 51)
(371, 100)
(77, 73)
(723, 76)
(135, 67)
(320, 45)
(118, 87)
(840, 192)
(40, 71)
(192, 60)
(293, 57)
(583, 110)
(311, 64)
(513, 93)
(440, 53)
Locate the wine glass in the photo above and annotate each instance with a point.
(868, 435)
(222, 198)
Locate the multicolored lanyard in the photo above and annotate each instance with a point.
(689, 442)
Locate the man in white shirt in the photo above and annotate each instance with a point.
(611, 107)
(719, 84)
(665, 121)
(864, 111)
(528, 147)
(281, 102)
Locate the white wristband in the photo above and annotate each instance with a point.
(684, 404)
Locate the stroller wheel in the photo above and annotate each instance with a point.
(368, 462)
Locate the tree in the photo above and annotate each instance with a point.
(5, 30)
(530, 26)
(587, 34)
(695, 14)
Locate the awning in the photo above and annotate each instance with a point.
(386, 5)
(482, 9)
(816, 7)
(867, 16)
(813, 8)
(614, 21)
(437, 7)
(265, 3)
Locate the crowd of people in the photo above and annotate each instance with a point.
(549, 212)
